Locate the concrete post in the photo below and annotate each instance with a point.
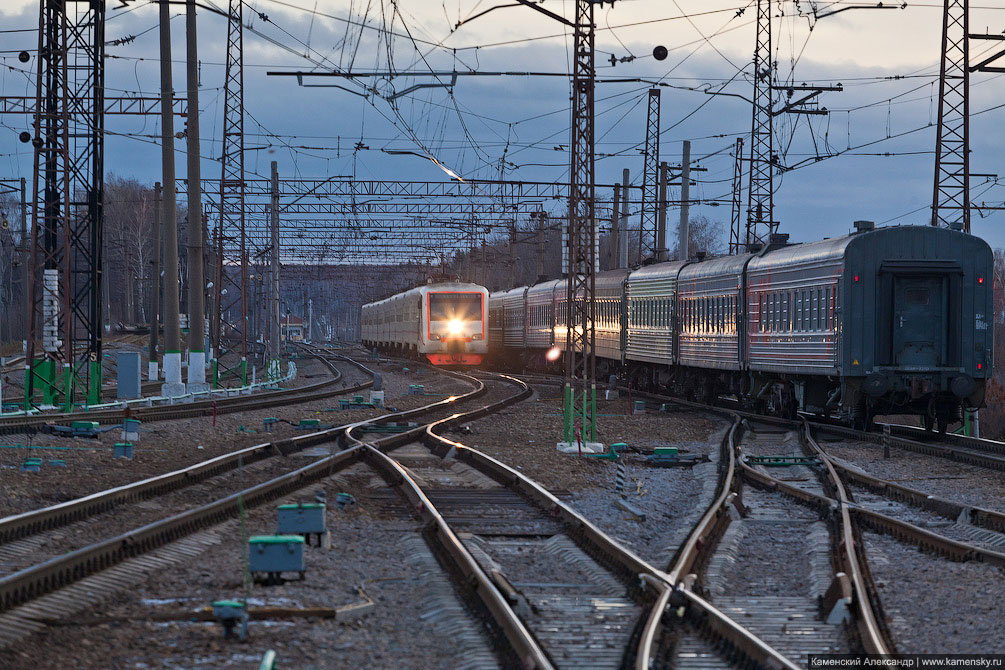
(196, 278)
(612, 260)
(274, 315)
(661, 217)
(173, 385)
(155, 286)
(25, 261)
(623, 232)
(685, 187)
(541, 230)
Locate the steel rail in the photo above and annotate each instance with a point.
(627, 562)
(18, 526)
(520, 639)
(27, 584)
(701, 611)
(224, 405)
(949, 509)
(871, 634)
(967, 449)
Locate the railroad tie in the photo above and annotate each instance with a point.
(26, 619)
(619, 479)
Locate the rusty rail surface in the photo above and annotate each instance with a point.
(225, 405)
(25, 585)
(23, 525)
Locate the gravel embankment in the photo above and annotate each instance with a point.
(937, 606)
(370, 549)
(168, 445)
(962, 483)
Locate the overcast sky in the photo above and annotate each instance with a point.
(881, 127)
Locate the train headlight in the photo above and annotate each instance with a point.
(455, 327)
(553, 354)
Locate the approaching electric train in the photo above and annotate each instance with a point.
(893, 320)
(444, 322)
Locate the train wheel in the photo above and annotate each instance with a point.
(943, 424)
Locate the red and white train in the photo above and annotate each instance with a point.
(444, 322)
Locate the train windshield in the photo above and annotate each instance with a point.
(455, 306)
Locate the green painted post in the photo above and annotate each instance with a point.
(593, 414)
(67, 387)
(27, 385)
(244, 372)
(94, 378)
(569, 412)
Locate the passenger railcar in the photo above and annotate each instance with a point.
(887, 321)
(445, 322)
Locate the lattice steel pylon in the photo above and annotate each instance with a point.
(230, 319)
(650, 177)
(736, 236)
(760, 198)
(68, 193)
(951, 195)
(580, 337)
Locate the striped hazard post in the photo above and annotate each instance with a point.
(619, 479)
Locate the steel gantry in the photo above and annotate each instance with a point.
(951, 194)
(736, 236)
(325, 219)
(650, 179)
(230, 293)
(760, 196)
(64, 297)
(580, 336)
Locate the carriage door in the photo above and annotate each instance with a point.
(919, 321)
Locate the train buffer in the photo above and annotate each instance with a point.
(356, 402)
(669, 457)
(781, 461)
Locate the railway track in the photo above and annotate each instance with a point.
(31, 591)
(30, 597)
(325, 388)
(537, 570)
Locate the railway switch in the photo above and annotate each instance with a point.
(302, 519)
(231, 613)
(356, 402)
(269, 556)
